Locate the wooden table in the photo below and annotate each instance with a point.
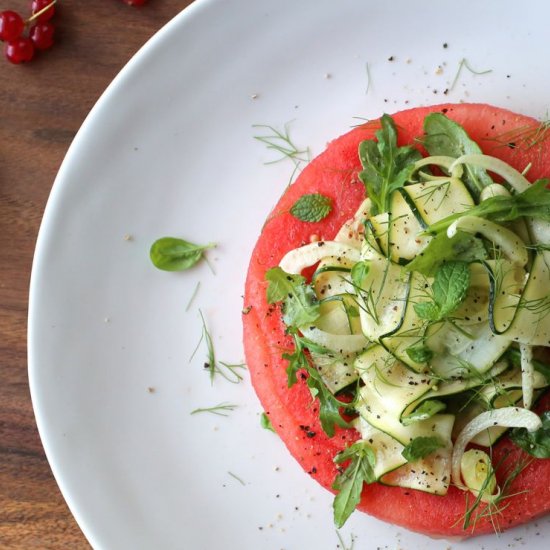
(42, 105)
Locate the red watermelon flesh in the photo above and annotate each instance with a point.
(294, 417)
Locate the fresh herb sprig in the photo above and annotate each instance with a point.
(312, 207)
(386, 167)
(463, 64)
(173, 254)
(349, 483)
(440, 249)
(534, 202)
(280, 142)
(300, 304)
(449, 289)
(443, 136)
(300, 307)
(421, 447)
(329, 405)
(523, 138)
(225, 370)
(223, 409)
(492, 509)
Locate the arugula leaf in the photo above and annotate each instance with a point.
(171, 254)
(300, 304)
(534, 202)
(329, 406)
(440, 249)
(535, 443)
(349, 483)
(420, 447)
(445, 137)
(386, 167)
(312, 208)
(420, 353)
(297, 360)
(426, 410)
(450, 286)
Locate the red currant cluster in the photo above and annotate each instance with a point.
(20, 48)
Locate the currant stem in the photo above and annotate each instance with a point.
(40, 12)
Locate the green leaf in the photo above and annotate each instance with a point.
(535, 443)
(300, 304)
(428, 311)
(171, 254)
(420, 354)
(349, 483)
(265, 422)
(329, 406)
(386, 167)
(312, 208)
(420, 447)
(426, 410)
(445, 137)
(534, 202)
(358, 273)
(450, 286)
(297, 360)
(440, 249)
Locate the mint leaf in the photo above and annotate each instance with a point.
(426, 410)
(440, 249)
(450, 286)
(172, 254)
(312, 208)
(428, 311)
(420, 354)
(534, 202)
(420, 447)
(535, 443)
(300, 304)
(444, 136)
(349, 483)
(386, 167)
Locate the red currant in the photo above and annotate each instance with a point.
(134, 2)
(38, 5)
(11, 25)
(41, 35)
(20, 50)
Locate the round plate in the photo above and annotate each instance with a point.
(170, 150)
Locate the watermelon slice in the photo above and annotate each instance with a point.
(500, 133)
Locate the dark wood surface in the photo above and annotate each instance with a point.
(42, 105)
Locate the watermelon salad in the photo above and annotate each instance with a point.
(397, 319)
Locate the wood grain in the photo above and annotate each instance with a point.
(42, 105)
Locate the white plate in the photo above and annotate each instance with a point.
(169, 150)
